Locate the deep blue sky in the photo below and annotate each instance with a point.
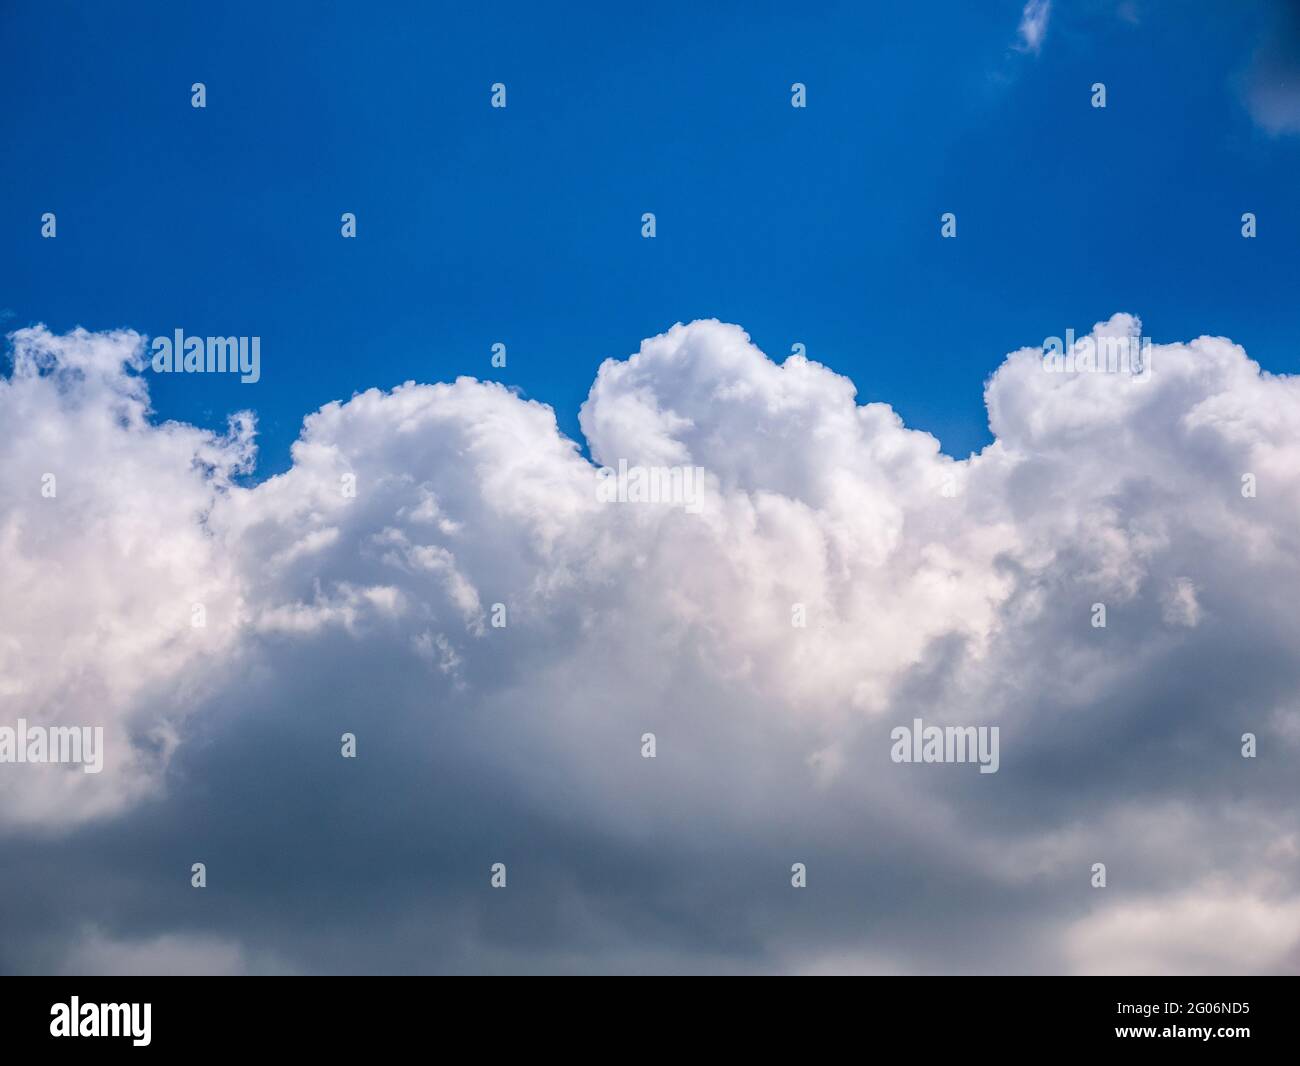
(523, 225)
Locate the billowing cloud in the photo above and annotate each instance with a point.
(840, 577)
(106, 544)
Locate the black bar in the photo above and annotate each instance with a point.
(365, 1016)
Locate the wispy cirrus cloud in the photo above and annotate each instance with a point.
(1033, 25)
(1272, 84)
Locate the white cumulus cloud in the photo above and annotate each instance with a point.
(958, 591)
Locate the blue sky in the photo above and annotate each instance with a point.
(522, 225)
